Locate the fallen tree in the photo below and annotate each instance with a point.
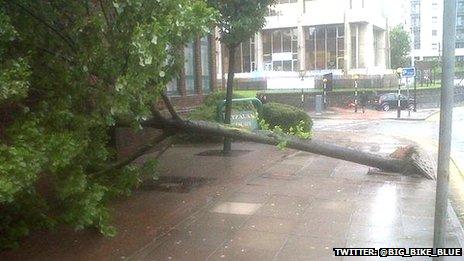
(406, 160)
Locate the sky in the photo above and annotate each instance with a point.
(392, 9)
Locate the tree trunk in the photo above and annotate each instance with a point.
(312, 146)
(413, 161)
(230, 88)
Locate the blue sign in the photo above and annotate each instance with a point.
(409, 72)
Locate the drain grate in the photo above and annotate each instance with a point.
(218, 153)
(175, 184)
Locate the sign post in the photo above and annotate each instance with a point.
(399, 72)
(328, 86)
(409, 73)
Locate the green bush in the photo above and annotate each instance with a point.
(208, 111)
(286, 117)
(214, 98)
(203, 113)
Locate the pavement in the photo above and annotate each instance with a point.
(262, 204)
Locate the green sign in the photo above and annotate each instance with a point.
(245, 118)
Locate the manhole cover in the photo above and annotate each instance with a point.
(175, 184)
(218, 153)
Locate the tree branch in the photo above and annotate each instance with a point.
(65, 38)
(142, 151)
(170, 108)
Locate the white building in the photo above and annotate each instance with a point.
(427, 24)
(311, 35)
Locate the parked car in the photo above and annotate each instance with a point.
(388, 101)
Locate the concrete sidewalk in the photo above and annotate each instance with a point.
(301, 208)
(261, 206)
(370, 114)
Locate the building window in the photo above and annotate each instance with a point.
(171, 88)
(280, 50)
(324, 47)
(434, 19)
(245, 57)
(460, 20)
(434, 33)
(417, 41)
(415, 21)
(189, 69)
(205, 49)
(435, 46)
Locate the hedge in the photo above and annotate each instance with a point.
(285, 116)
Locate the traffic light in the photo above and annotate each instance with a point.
(328, 79)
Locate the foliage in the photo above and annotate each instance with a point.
(288, 118)
(400, 46)
(68, 71)
(207, 112)
(240, 19)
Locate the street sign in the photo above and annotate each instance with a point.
(409, 72)
(242, 117)
(245, 119)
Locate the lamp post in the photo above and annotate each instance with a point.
(356, 77)
(399, 72)
(324, 80)
(415, 93)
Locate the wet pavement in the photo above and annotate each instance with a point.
(268, 205)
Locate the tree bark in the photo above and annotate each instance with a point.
(230, 88)
(413, 162)
(312, 146)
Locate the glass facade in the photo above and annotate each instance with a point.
(189, 69)
(460, 24)
(280, 50)
(245, 57)
(205, 52)
(416, 23)
(171, 88)
(325, 47)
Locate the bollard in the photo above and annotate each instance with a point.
(319, 104)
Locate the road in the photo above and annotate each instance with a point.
(418, 131)
(424, 133)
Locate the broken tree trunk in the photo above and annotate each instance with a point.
(407, 165)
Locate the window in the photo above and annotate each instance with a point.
(280, 50)
(245, 60)
(189, 69)
(434, 19)
(434, 32)
(325, 47)
(171, 88)
(460, 20)
(205, 49)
